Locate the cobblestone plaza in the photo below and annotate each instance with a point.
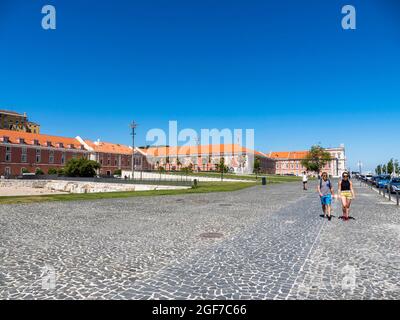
(257, 243)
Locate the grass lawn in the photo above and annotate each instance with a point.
(203, 187)
(270, 178)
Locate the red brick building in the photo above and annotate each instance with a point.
(289, 162)
(114, 156)
(23, 151)
(20, 151)
(207, 158)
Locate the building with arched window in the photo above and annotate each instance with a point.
(289, 162)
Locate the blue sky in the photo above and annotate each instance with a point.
(285, 68)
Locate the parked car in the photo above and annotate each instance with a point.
(383, 180)
(394, 185)
(374, 180)
(368, 177)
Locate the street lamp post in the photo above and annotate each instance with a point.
(133, 126)
(359, 166)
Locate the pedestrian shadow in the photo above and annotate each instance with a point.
(332, 215)
(350, 218)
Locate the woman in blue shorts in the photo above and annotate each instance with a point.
(325, 190)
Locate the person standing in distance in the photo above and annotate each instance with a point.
(305, 180)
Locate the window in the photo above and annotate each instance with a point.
(63, 158)
(23, 154)
(51, 156)
(38, 155)
(115, 162)
(8, 154)
(7, 171)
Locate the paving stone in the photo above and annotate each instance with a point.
(274, 246)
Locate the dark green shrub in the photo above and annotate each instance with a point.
(81, 168)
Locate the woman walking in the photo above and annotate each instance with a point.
(346, 193)
(325, 190)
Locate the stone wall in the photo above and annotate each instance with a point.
(81, 186)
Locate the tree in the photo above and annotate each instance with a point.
(186, 170)
(178, 163)
(257, 166)
(39, 172)
(161, 170)
(378, 170)
(117, 172)
(222, 168)
(390, 166)
(396, 167)
(384, 169)
(316, 159)
(81, 168)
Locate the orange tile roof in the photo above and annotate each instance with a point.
(29, 138)
(196, 150)
(108, 147)
(288, 155)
